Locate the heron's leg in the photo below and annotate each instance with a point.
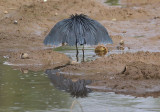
(77, 52)
(83, 52)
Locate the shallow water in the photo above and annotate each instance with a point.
(91, 55)
(33, 92)
(70, 51)
(112, 2)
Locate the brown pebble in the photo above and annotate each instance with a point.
(5, 12)
(24, 56)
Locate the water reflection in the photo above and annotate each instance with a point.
(30, 92)
(76, 89)
(70, 51)
(102, 53)
(111, 102)
(33, 92)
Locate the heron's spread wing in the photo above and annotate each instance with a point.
(102, 34)
(96, 33)
(60, 33)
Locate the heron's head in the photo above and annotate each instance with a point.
(78, 16)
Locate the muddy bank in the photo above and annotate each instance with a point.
(36, 18)
(114, 63)
(37, 59)
(130, 73)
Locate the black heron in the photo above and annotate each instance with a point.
(78, 29)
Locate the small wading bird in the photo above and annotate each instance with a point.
(79, 29)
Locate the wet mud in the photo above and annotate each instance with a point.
(128, 73)
(24, 25)
(37, 60)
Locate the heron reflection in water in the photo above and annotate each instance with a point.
(78, 29)
(76, 89)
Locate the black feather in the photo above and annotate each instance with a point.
(78, 29)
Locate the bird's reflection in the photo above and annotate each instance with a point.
(76, 89)
(102, 53)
